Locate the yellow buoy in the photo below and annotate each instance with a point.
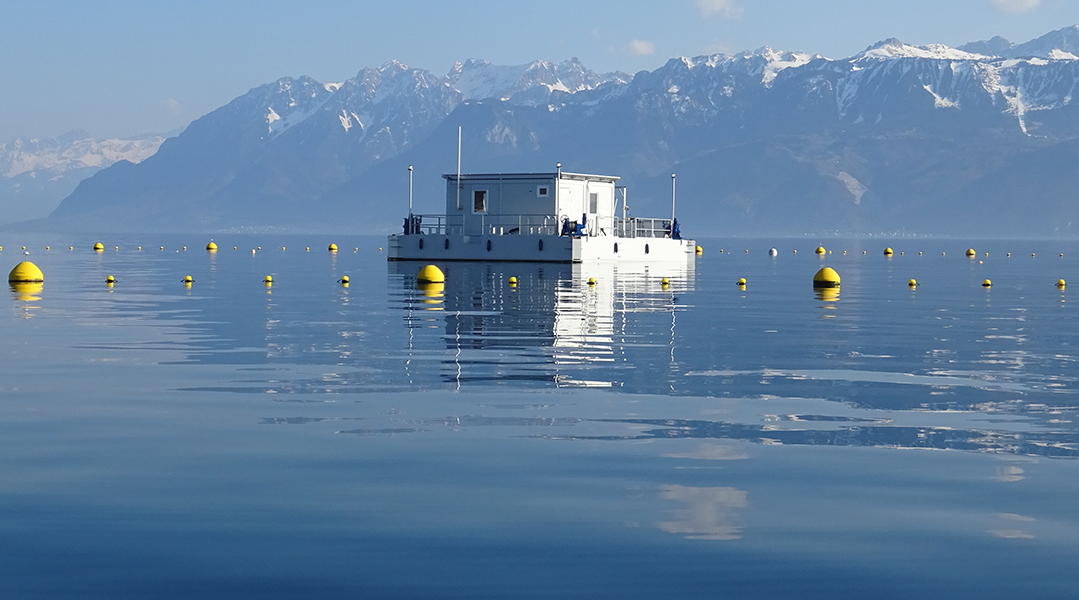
(742, 281)
(747, 251)
(863, 251)
(987, 254)
(110, 279)
(25, 272)
(282, 248)
(699, 250)
(942, 254)
(1009, 255)
(268, 279)
(902, 253)
(826, 278)
(333, 248)
(308, 248)
(971, 252)
(796, 252)
(260, 247)
(888, 252)
(185, 248)
(513, 281)
(665, 281)
(919, 254)
(162, 247)
(47, 248)
(140, 248)
(913, 283)
(844, 253)
(212, 247)
(1061, 254)
(69, 248)
(1032, 255)
(987, 283)
(591, 281)
(99, 247)
(188, 279)
(431, 274)
(355, 250)
(1061, 283)
(344, 279)
(820, 250)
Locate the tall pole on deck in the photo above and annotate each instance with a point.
(458, 167)
(672, 204)
(409, 189)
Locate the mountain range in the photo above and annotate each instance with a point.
(36, 174)
(980, 139)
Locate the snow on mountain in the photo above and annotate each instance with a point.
(479, 79)
(73, 150)
(892, 48)
(1062, 44)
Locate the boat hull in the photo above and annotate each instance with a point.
(537, 248)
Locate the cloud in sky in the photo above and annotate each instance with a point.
(730, 9)
(173, 106)
(640, 48)
(1015, 6)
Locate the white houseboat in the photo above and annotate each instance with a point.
(538, 217)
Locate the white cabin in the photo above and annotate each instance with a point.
(544, 217)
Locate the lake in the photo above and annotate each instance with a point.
(550, 439)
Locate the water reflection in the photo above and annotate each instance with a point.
(548, 326)
(26, 293)
(708, 512)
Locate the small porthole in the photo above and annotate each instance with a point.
(541, 245)
(488, 245)
(646, 248)
(616, 248)
(447, 243)
(421, 243)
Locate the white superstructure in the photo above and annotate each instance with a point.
(540, 217)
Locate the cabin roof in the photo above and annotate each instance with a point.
(524, 176)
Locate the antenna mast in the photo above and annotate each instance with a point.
(458, 167)
(672, 204)
(410, 190)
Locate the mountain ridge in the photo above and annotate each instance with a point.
(876, 138)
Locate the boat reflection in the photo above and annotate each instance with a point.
(555, 317)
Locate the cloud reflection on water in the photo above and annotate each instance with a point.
(707, 513)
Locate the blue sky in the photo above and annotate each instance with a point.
(118, 68)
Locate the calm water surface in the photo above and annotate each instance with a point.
(626, 440)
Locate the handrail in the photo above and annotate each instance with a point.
(434, 224)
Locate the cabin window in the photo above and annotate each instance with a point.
(447, 243)
(479, 201)
(541, 245)
(616, 248)
(421, 243)
(488, 245)
(646, 248)
(593, 203)
(542, 191)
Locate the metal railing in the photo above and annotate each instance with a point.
(632, 227)
(483, 225)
